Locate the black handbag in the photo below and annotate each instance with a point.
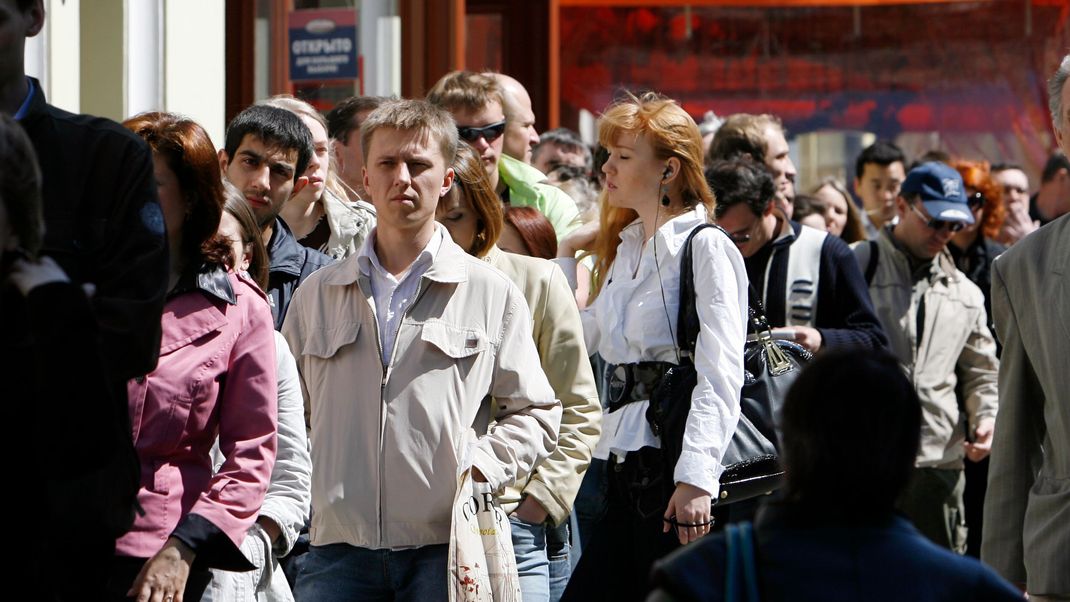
(752, 467)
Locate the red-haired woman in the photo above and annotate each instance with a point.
(974, 247)
(215, 377)
(656, 195)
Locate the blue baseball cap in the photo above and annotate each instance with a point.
(941, 190)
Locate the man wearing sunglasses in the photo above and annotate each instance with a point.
(476, 102)
(937, 326)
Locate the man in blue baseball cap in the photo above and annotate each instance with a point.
(937, 326)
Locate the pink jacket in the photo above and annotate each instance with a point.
(216, 374)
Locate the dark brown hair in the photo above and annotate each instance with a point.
(534, 229)
(472, 181)
(190, 154)
(238, 207)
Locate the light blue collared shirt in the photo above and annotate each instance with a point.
(393, 295)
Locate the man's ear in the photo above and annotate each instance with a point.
(339, 160)
(224, 161)
(858, 187)
(769, 207)
(36, 21)
(447, 182)
(901, 207)
(299, 185)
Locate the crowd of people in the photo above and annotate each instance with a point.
(257, 372)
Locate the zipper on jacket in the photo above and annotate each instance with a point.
(420, 290)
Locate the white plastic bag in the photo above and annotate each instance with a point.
(482, 563)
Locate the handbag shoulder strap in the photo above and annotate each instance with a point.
(687, 324)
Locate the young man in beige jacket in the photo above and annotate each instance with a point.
(400, 347)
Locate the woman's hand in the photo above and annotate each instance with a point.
(163, 578)
(580, 239)
(690, 508)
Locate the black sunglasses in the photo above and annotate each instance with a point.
(937, 224)
(490, 133)
(975, 201)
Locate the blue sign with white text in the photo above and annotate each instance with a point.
(323, 45)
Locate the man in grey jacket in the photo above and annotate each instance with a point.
(1027, 511)
(936, 325)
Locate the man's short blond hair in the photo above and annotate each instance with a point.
(742, 134)
(412, 116)
(466, 91)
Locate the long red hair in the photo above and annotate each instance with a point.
(672, 133)
(190, 154)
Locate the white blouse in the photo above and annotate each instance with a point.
(629, 322)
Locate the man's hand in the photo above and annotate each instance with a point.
(982, 444)
(531, 511)
(809, 338)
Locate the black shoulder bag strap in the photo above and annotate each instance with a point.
(687, 324)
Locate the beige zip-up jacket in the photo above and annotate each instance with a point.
(955, 345)
(387, 442)
(558, 334)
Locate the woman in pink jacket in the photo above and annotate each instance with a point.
(216, 376)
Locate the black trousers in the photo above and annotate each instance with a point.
(616, 564)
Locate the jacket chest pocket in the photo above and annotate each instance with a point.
(449, 347)
(325, 343)
(180, 395)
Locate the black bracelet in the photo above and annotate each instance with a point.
(672, 521)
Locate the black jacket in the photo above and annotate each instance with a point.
(976, 262)
(104, 225)
(291, 263)
(845, 315)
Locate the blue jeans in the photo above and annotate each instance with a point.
(559, 553)
(542, 559)
(343, 572)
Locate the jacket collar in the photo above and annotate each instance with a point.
(672, 234)
(448, 265)
(284, 252)
(789, 231)
(212, 280)
(38, 103)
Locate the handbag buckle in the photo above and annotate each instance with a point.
(778, 362)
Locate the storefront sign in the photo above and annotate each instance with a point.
(323, 44)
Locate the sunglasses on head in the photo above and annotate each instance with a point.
(976, 200)
(490, 133)
(937, 224)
